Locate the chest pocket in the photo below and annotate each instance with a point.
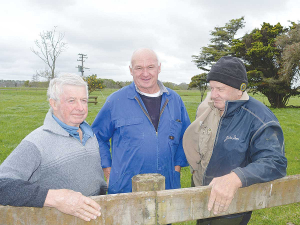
(131, 130)
(206, 142)
(175, 131)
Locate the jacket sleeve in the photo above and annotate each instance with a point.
(180, 158)
(16, 189)
(103, 129)
(267, 160)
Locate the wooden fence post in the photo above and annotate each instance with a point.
(148, 182)
(151, 182)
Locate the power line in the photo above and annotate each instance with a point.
(81, 59)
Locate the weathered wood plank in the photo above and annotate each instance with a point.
(191, 203)
(129, 208)
(161, 207)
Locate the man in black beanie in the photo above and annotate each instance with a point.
(235, 141)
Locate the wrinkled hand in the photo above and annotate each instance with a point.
(73, 203)
(223, 191)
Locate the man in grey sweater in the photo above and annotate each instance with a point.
(58, 164)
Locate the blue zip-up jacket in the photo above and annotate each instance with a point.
(136, 147)
(249, 142)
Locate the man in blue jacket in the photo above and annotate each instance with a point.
(145, 122)
(235, 141)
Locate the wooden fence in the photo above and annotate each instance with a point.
(162, 207)
(94, 99)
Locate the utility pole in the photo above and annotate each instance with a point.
(81, 59)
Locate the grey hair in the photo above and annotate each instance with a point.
(144, 49)
(55, 88)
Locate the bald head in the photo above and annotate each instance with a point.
(143, 53)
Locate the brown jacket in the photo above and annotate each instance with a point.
(199, 137)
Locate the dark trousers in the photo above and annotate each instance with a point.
(239, 220)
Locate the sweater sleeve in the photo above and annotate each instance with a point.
(16, 192)
(19, 174)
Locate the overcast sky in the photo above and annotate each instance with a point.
(109, 31)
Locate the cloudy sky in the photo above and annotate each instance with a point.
(109, 31)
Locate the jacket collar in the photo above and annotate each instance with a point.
(231, 106)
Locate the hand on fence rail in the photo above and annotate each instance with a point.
(223, 191)
(73, 203)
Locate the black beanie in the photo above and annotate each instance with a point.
(230, 71)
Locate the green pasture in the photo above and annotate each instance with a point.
(23, 110)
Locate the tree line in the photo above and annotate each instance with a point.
(94, 83)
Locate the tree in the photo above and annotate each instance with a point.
(50, 46)
(170, 85)
(271, 65)
(199, 82)
(220, 44)
(289, 43)
(94, 83)
(183, 86)
(26, 83)
(109, 83)
(271, 56)
(45, 74)
(35, 78)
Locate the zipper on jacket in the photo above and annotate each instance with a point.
(161, 112)
(156, 132)
(146, 113)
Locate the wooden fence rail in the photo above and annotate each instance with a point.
(162, 207)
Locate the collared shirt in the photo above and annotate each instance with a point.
(161, 86)
(85, 128)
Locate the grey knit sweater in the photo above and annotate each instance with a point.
(49, 158)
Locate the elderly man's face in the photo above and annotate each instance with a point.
(145, 70)
(220, 93)
(71, 108)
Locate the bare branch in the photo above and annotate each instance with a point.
(50, 46)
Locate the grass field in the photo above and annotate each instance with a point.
(23, 110)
